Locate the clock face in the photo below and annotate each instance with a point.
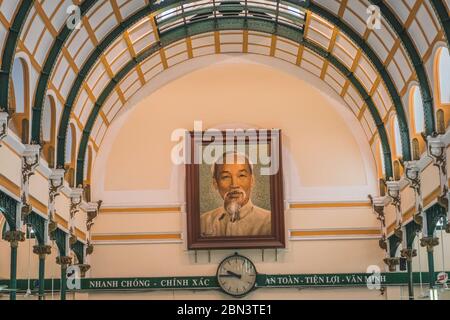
(236, 275)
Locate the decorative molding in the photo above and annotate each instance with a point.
(137, 238)
(318, 205)
(119, 210)
(9, 185)
(334, 234)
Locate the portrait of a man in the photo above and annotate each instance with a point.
(233, 180)
(234, 189)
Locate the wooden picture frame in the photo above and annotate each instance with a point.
(196, 239)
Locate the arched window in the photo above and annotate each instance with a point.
(19, 100)
(417, 109)
(25, 125)
(397, 170)
(47, 114)
(442, 88)
(382, 186)
(381, 157)
(87, 165)
(69, 143)
(415, 149)
(87, 174)
(70, 155)
(48, 130)
(397, 138)
(18, 79)
(443, 67)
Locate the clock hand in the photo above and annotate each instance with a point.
(234, 274)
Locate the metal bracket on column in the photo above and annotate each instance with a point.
(4, 117)
(64, 261)
(42, 250)
(392, 263)
(56, 182)
(429, 242)
(378, 204)
(408, 253)
(92, 209)
(30, 161)
(412, 174)
(394, 193)
(14, 237)
(89, 247)
(76, 197)
(83, 269)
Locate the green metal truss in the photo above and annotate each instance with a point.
(434, 214)
(47, 69)
(234, 23)
(60, 240)
(8, 208)
(412, 228)
(381, 69)
(38, 224)
(369, 52)
(94, 57)
(78, 249)
(9, 51)
(40, 93)
(414, 56)
(56, 48)
(4, 229)
(394, 243)
(442, 13)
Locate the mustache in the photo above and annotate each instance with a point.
(235, 192)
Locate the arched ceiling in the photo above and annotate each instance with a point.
(122, 44)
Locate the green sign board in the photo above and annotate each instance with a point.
(210, 282)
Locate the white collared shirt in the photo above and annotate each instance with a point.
(253, 221)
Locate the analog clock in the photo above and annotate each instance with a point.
(236, 275)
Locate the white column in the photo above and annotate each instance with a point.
(412, 174)
(394, 193)
(55, 184)
(30, 160)
(76, 196)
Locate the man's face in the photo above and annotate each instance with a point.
(234, 182)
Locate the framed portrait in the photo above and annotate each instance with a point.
(234, 189)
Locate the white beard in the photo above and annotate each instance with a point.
(233, 208)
